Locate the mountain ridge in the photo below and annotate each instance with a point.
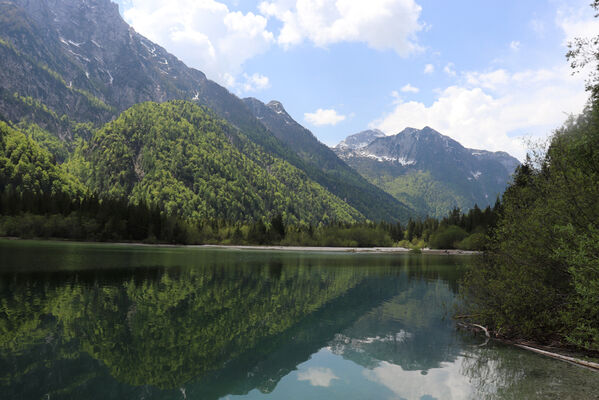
(72, 68)
(325, 166)
(446, 173)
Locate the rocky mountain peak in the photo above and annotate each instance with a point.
(276, 106)
(360, 139)
(424, 157)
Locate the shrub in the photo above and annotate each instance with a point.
(447, 238)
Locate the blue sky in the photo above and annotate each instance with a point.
(486, 73)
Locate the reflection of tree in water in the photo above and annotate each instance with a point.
(166, 332)
(229, 328)
(499, 371)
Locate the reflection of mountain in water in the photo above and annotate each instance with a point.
(409, 330)
(220, 325)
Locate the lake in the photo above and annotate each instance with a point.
(100, 321)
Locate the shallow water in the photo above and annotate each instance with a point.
(97, 321)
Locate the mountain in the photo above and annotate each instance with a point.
(428, 171)
(360, 139)
(81, 60)
(323, 165)
(67, 68)
(182, 158)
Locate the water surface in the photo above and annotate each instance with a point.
(97, 321)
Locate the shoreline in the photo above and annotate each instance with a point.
(360, 250)
(559, 351)
(312, 249)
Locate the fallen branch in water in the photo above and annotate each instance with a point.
(557, 356)
(483, 328)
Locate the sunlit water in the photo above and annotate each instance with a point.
(94, 321)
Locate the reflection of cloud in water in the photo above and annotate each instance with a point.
(317, 376)
(440, 383)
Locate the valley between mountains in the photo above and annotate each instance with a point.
(92, 109)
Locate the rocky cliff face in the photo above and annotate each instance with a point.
(428, 170)
(360, 139)
(60, 48)
(80, 59)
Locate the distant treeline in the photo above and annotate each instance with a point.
(30, 214)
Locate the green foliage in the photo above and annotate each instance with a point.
(447, 237)
(540, 277)
(420, 191)
(47, 120)
(321, 164)
(94, 102)
(474, 242)
(35, 105)
(58, 148)
(26, 167)
(155, 188)
(52, 73)
(179, 157)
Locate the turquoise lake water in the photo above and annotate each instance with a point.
(98, 321)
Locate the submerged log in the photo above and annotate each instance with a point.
(588, 364)
(557, 356)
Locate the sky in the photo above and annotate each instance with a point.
(490, 74)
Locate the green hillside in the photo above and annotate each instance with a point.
(27, 167)
(180, 157)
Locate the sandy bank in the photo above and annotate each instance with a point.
(376, 250)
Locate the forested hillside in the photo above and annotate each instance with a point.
(25, 167)
(180, 157)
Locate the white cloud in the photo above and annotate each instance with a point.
(324, 117)
(429, 68)
(447, 382)
(247, 83)
(577, 21)
(515, 45)
(255, 82)
(488, 109)
(317, 376)
(381, 24)
(488, 80)
(409, 89)
(495, 109)
(450, 69)
(204, 34)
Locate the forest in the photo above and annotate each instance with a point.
(173, 173)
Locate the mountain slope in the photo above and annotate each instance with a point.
(27, 167)
(81, 62)
(430, 172)
(178, 156)
(325, 167)
(70, 67)
(360, 139)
